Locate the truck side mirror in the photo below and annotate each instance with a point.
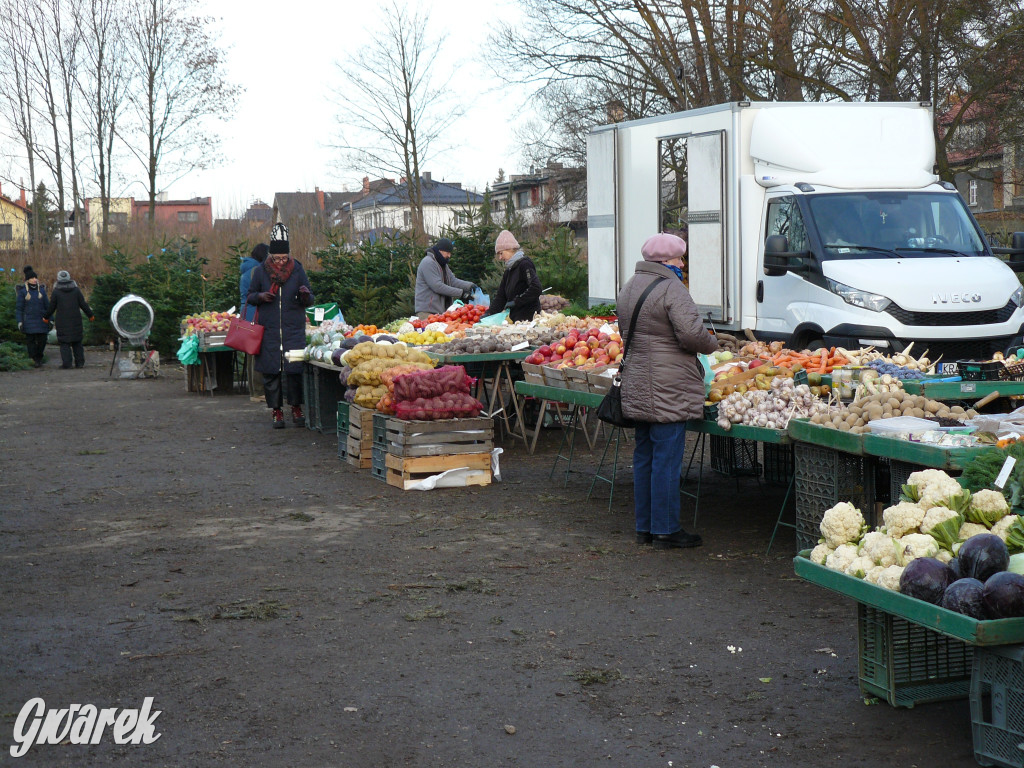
(778, 259)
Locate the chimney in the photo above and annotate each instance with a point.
(319, 197)
(22, 199)
(366, 185)
(426, 176)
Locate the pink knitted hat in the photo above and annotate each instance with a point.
(663, 247)
(506, 241)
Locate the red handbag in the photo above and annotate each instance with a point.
(245, 336)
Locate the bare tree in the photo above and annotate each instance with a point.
(16, 88)
(179, 87)
(103, 86)
(392, 104)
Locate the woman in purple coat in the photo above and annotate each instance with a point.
(280, 292)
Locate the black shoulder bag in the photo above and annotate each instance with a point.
(610, 409)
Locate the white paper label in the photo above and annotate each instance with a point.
(517, 347)
(968, 388)
(318, 314)
(1004, 473)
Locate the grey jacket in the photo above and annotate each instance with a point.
(662, 381)
(434, 293)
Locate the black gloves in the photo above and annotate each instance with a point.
(305, 297)
(265, 297)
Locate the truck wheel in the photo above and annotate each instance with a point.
(810, 342)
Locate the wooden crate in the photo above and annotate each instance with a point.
(553, 377)
(357, 454)
(360, 425)
(533, 374)
(439, 438)
(576, 379)
(402, 472)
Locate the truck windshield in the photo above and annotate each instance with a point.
(904, 224)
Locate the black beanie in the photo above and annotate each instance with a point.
(30, 273)
(446, 245)
(279, 239)
(260, 252)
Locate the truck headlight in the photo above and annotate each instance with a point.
(1017, 297)
(861, 299)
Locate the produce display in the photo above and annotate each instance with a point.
(940, 543)
(432, 383)
(368, 350)
(475, 345)
(455, 405)
(580, 349)
(772, 407)
(423, 338)
(888, 404)
(550, 303)
(365, 330)
(903, 360)
(455, 319)
(206, 322)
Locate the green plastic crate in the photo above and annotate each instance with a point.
(778, 463)
(997, 706)
(734, 457)
(823, 478)
(343, 418)
(380, 430)
(378, 466)
(907, 664)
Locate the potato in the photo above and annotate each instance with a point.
(958, 410)
(816, 418)
(918, 413)
(933, 406)
(829, 425)
(850, 420)
(856, 410)
(844, 427)
(859, 423)
(893, 403)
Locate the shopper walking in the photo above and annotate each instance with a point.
(436, 285)
(662, 384)
(519, 290)
(280, 291)
(66, 307)
(247, 310)
(30, 306)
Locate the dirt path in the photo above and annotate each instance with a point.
(285, 609)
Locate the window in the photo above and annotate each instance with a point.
(972, 192)
(522, 199)
(461, 218)
(6, 232)
(407, 218)
(784, 218)
(188, 217)
(118, 222)
(673, 180)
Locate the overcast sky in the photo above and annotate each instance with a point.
(285, 53)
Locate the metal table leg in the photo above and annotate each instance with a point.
(684, 477)
(782, 510)
(616, 435)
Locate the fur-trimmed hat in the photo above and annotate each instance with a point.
(506, 242)
(30, 274)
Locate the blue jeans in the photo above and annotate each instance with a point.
(657, 459)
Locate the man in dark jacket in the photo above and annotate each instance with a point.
(30, 307)
(280, 289)
(68, 303)
(249, 263)
(519, 290)
(436, 285)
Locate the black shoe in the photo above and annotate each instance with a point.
(644, 537)
(37, 364)
(65, 367)
(680, 539)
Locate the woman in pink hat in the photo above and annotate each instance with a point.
(519, 290)
(662, 384)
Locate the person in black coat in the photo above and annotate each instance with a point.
(519, 290)
(68, 303)
(280, 291)
(30, 307)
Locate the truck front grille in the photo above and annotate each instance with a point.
(983, 317)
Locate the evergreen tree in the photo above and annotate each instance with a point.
(45, 220)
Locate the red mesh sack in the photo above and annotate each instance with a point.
(452, 405)
(427, 384)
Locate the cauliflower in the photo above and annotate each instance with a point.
(902, 518)
(987, 508)
(872, 575)
(860, 566)
(971, 529)
(819, 553)
(943, 525)
(890, 577)
(841, 557)
(880, 547)
(944, 556)
(1001, 528)
(916, 545)
(842, 524)
(929, 487)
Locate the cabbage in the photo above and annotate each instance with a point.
(965, 596)
(1016, 563)
(926, 579)
(1004, 596)
(983, 555)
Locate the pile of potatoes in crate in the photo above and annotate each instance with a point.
(856, 416)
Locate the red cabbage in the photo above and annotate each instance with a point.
(1004, 595)
(965, 596)
(926, 579)
(983, 555)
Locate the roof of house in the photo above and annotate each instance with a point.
(434, 193)
(296, 205)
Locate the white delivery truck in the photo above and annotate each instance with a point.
(808, 223)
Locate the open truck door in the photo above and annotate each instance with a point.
(706, 217)
(602, 217)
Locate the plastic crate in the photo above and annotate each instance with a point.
(997, 705)
(972, 370)
(734, 457)
(309, 396)
(378, 467)
(380, 430)
(778, 463)
(1013, 372)
(823, 478)
(907, 664)
(343, 417)
(343, 446)
(329, 392)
